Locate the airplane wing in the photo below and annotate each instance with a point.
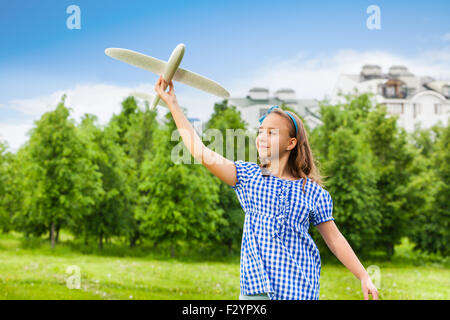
(137, 59)
(158, 66)
(200, 82)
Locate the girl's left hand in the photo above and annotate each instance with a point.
(369, 288)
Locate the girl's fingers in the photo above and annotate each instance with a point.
(374, 294)
(365, 292)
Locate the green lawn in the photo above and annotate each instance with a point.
(40, 273)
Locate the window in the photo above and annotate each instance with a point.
(380, 89)
(416, 109)
(390, 91)
(395, 89)
(395, 108)
(438, 108)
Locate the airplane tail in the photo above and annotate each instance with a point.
(155, 101)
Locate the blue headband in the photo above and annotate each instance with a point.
(287, 112)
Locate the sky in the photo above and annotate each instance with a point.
(303, 45)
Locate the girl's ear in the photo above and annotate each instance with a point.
(293, 142)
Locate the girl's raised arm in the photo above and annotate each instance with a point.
(220, 166)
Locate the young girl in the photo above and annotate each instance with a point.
(280, 197)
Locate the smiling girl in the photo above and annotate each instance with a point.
(280, 198)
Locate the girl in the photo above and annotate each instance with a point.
(280, 197)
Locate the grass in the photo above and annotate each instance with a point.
(31, 270)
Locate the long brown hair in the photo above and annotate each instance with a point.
(301, 162)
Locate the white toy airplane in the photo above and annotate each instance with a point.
(169, 70)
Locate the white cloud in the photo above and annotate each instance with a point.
(14, 134)
(315, 77)
(310, 76)
(446, 37)
(99, 99)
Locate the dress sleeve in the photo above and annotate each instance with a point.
(244, 171)
(323, 210)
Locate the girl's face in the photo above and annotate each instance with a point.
(273, 138)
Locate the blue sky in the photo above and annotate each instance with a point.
(225, 41)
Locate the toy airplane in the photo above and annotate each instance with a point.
(169, 70)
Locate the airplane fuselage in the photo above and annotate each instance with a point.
(171, 68)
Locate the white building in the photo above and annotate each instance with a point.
(414, 99)
(255, 104)
(197, 125)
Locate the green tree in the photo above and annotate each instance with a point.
(107, 216)
(346, 161)
(139, 143)
(135, 129)
(394, 165)
(21, 194)
(352, 183)
(430, 232)
(61, 176)
(123, 120)
(5, 181)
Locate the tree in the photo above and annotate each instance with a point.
(123, 120)
(430, 228)
(106, 217)
(63, 180)
(139, 143)
(394, 165)
(346, 160)
(353, 186)
(134, 129)
(5, 182)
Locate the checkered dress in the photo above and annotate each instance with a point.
(278, 256)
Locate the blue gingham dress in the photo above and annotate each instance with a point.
(278, 256)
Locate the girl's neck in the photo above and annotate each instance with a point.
(279, 168)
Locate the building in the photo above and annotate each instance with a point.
(258, 100)
(197, 125)
(414, 99)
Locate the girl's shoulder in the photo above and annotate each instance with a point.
(322, 195)
(247, 167)
(244, 171)
(317, 191)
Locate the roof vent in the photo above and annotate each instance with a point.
(398, 71)
(371, 71)
(285, 94)
(258, 93)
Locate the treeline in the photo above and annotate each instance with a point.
(119, 181)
